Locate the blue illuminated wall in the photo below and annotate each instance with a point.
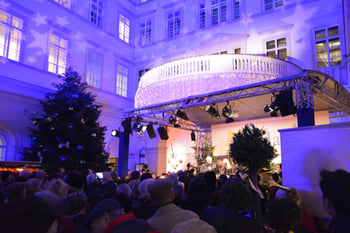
(159, 31)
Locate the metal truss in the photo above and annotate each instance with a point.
(307, 84)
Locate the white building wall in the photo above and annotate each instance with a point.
(296, 21)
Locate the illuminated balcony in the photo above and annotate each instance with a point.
(205, 74)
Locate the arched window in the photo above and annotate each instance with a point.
(3, 147)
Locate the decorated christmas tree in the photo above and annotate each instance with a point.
(68, 134)
(251, 150)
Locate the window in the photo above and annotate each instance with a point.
(142, 72)
(124, 28)
(271, 4)
(145, 32)
(96, 7)
(94, 69)
(237, 51)
(218, 11)
(122, 81)
(277, 48)
(3, 146)
(57, 54)
(328, 47)
(65, 3)
(174, 23)
(202, 14)
(10, 36)
(236, 9)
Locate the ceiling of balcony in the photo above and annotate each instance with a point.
(247, 109)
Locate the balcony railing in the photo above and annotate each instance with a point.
(204, 74)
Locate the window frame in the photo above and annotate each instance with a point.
(274, 4)
(3, 146)
(148, 40)
(98, 81)
(276, 48)
(64, 3)
(180, 20)
(327, 39)
(98, 14)
(61, 37)
(219, 6)
(121, 23)
(124, 81)
(8, 29)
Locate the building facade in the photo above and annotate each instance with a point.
(112, 43)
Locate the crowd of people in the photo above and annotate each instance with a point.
(81, 202)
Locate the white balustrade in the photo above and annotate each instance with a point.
(229, 69)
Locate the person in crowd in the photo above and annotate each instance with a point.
(77, 210)
(195, 198)
(335, 187)
(64, 223)
(309, 224)
(108, 188)
(91, 183)
(229, 216)
(210, 179)
(125, 189)
(178, 188)
(282, 216)
(145, 176)
(167, 214)
(193, 225)
(75, 181)
(29, 214)
(58, 187)
(16, 190)
(109, 217)
(142, 207)
(33, 186)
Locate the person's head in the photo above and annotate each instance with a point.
(144, 194)
(107, 177)
(210, 178)
(161, 191)
(236, 195)
(16, 190)
(77, 202)
(75, 180)
(102, 215)
(124, 189)
(145, 176)
(34, 185)
(135, 175)
(59, 187)
(30, 213)
(291, 193)
(283, 215)
(90, 179)
(335, 187)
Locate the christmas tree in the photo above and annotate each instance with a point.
(68, 135)
(251, 150)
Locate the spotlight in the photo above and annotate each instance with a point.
(268, 108)
(274, 114)
(115, 133)
(139, 128)
(181, 114)
(150, 131)
(227, 112)
(193, 136)
(163, 134)
(284, 100)
(212, 110)
(174, 121)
